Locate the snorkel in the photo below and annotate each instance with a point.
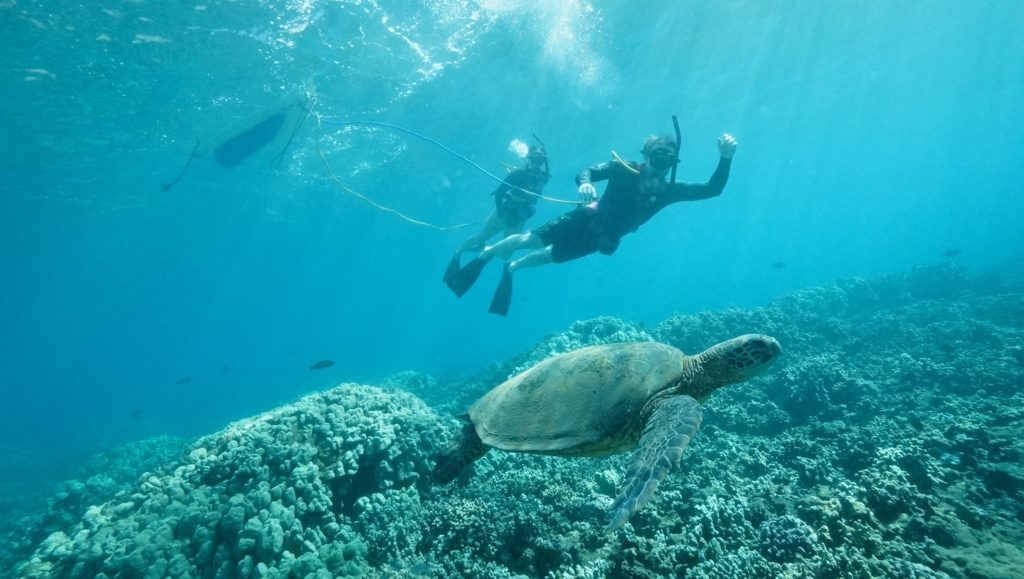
(547, 168)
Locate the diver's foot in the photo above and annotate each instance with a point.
(505, 253)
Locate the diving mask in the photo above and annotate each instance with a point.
(662, 159)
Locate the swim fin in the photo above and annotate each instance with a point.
(452, 270)
(503, 294)
(467, 276)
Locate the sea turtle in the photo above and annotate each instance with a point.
(604, 400)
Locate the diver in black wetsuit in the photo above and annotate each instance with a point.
(635, 192)
(512, 206)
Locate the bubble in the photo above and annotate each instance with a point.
(518, 147)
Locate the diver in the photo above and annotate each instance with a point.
(635, 192)
(515, 201)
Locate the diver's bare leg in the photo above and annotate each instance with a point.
(535, 259)
(506, 247)
(476, 242)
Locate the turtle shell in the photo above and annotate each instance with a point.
(587, 402)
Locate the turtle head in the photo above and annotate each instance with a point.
(738, 359)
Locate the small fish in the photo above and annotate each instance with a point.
(322, 364)
(136, 413)
(779, 264)
(184, 380)
(952, 252)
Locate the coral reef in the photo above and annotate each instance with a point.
(786, 538)
(272, 496)
(886, 443)
(101, 477)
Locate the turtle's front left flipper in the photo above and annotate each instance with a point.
(669, 430)
(466, 450)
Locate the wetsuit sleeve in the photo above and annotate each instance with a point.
(594, 173)
(697, 191)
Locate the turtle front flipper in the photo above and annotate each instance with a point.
(669, 430)
(466, 449)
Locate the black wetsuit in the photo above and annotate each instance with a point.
(514, 205)
(629, 200)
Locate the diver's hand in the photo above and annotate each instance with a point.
(588, 193)
(727, 146)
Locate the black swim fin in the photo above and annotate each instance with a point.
(467, 276)
(452, 270)
(502, 295)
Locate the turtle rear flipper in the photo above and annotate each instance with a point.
(668, 432)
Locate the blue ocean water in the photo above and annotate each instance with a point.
(874, 136)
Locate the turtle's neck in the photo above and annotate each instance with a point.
(694, 379)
